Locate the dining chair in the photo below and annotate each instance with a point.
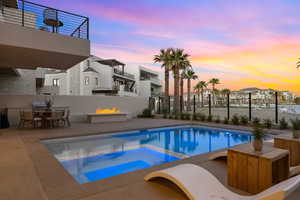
(27, 117)
(66, 118)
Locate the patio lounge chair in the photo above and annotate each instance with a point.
(199, 184)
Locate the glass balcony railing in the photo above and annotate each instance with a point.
(152, 79)
(33, 15)
(120, 72)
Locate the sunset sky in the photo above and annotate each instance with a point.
(244, 43)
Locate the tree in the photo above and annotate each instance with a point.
(199, 88)
(182, 77)
(164, 57)
(224, 93)
(179, 61)
(214, 82)
(189, 75)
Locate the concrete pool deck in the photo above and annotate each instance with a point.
(28, 171)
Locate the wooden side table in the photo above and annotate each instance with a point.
(254, 172)
(291, 144)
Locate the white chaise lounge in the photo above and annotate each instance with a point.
(199, 184)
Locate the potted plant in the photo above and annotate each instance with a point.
(296, 128)
(258, 134)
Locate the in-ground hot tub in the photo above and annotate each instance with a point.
(107, 115)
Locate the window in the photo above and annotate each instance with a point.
(96, 81)
(55, 82)
(86, 80)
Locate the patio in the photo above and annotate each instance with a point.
(29, 171)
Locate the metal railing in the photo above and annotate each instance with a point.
(120, 72)
(274, 107)
(44, 18)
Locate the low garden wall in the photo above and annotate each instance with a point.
(79, 106)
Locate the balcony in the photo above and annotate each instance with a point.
(153, 80)
(40, 36)
(124, 74)
(43, 18)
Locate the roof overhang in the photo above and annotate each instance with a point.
(27, 48)
(9, 71)
(111, 62)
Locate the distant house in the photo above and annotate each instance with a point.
(97, 76)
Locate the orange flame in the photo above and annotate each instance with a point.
(107, 111)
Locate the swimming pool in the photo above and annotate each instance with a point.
(92, 158)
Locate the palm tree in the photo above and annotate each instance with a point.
(189, 75)
(179, 61)
(224, 93)
(214, 82)
(182, 77)
(164, 57)
(199, 88)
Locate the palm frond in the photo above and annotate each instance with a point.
(298, 63)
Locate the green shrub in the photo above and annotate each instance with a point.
(147, 113)
(209, 118)
(225, 121)
(244, 120)
(283, 123)
(235, 120)
(188, 116)
(258, 132)
(295, 124)
(217, 119)
(182, 116)
(165, 113)
(194, 116)
(202, 117)
(256, 121)
(267, 123)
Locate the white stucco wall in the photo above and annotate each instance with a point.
(105, 74)
(63, 87)
(145, 88)
(79, 105)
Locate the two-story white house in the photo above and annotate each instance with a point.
(148, 82)
(93, 76)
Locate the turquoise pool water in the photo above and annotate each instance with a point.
(92, 158)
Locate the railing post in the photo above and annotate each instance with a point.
(228, 106)
(23, 15)
(88, 28)
(250, 116)
(158, 105)
(150, 104)
(56, 18)
(276, 107)
(169, 104)
(194, 102)
(209, 104)
(181, 104)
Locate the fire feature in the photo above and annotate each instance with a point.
(107, 111)
(107, 115)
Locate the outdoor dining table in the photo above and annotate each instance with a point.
(44, 114)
